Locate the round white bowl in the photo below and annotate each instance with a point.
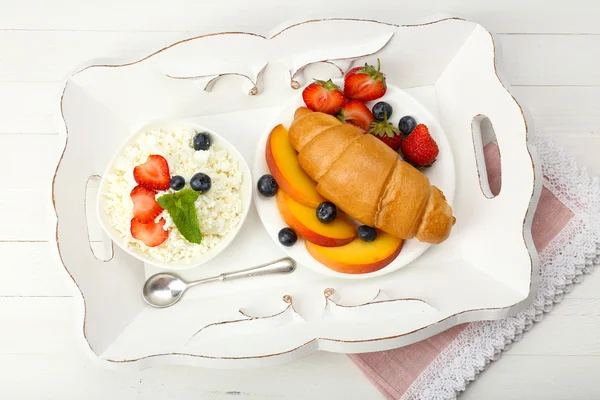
(246, 194)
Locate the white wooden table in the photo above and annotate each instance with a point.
(551, 55)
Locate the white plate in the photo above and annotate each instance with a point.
(219, 143)
(440, 174)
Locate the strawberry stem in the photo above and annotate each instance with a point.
(328, 85)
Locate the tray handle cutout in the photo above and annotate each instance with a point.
(100, 244)
(487, 156)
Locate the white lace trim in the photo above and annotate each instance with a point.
(573, 253)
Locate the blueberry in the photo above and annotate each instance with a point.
(287, 237)
(201, 141)
(200, 182)
(366, 233)
(177, 182)
(267, 186)
(381, 110)
(407, 124)
(326, 212)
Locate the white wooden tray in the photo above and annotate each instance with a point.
(238, 84)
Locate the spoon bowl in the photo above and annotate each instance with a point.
(165, 289)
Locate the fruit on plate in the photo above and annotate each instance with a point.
(366, 233)
(153, 174)
(358, 114)
(303, 220)
(323, 96)
(382, 110)
(387, 133)
(287, 237)
(419, 148)
(282, 161)
(151, 234)
(365, 83)
(368, 181)
(358, 256)
(407, 124)
(145, 206)
(326, 212)
(267, 185)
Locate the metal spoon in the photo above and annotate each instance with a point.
(164, 289)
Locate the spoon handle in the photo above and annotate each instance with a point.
(283, 266)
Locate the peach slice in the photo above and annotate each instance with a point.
(358, 257)
(282, 160)
(303, 220)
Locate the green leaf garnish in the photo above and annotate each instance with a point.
(181, 208)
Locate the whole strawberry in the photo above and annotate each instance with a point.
(386, 132)
(419, 148)
(323, 96)
(365, 83)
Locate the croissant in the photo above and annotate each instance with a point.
(367, 179)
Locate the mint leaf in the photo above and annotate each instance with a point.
(167, 202)
(187, 195)
(181, 208)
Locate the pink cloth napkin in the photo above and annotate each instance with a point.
(393, 371)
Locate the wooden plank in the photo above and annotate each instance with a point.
(28, 163)
(26, 215)
(30, 107)
(508, 16)
(52, 56)
(551, 59)
(38, 325)
(74, 376)
(31, 269)
(562, 109)
(537, 378)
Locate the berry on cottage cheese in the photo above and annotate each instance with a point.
(219, 210)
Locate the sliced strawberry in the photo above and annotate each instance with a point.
(357, 114)
(145, 206)
(324, 97)
(154, 173)
(365, 83)
(151, 234)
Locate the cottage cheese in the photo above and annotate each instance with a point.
(219, 210)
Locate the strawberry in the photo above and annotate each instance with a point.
(357, 114)
(419, 148)
(386, 132)
(324, 97)
(153, 174)
(151, 234)
(365, 83)
(145, 206)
